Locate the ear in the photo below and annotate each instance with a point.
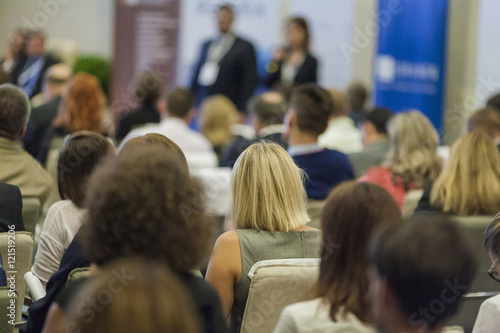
(23, 132)
(190, 116)
(161, 105)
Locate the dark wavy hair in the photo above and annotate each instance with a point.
(144, 203)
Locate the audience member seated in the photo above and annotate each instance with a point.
(338, 301)
(147, 93)
(29, 71)
(470, 181)
(4, 77)
(419, 271)
(307, 118)
(11, 206)
(80, 154)
(411, 162)
(18, 167)
(15, 51)
(149, 291)
(494, 102)
(487, 319)
(176, 116)
(486, 120)
(55, 83)
(218, 115)
(269, 213)
(82, 108)
(268, 113)
(357, 95)
(374, 133)
(341, 133)
(293, 65)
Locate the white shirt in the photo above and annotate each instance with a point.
(487, 318)
(342, 135)
(62, 223)
(314, 317)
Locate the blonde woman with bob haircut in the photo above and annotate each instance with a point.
(412, 162)
(269, 211)
(470, 181)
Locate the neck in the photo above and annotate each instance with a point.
(301, 138)
(399, 323)
(375, 138)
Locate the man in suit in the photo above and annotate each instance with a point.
(374, 135)
(29, 71)
(227, 65)
(11, 206)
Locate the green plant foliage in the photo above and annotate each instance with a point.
(98, 66)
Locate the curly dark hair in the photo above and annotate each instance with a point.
(144, 203)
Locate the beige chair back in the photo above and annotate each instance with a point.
(76, 274)
(22, 243)
(411, 202)
(31, 211)
(5, 319)
(314, 208)
(270, 290)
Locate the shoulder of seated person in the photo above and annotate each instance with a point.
(228, 238)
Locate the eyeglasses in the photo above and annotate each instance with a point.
(492, 272)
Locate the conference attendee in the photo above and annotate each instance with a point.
(470, 181)
(293, 64)
(18, 167)
(269, 224)
(147, 92)
(29, 71)
(139, 296)
(487, 318)
(15, 51)
(486, 120)
(374, 136)
(4, 77)
(55, 82)
(411, 162)
(494, 102)
(217, 118)
(77, 159)
(82, 108)
(11, 206)
(307, 118)
(419, 272)
(338, 300)
(227, 64)
(127, 199)
(268, 113)
(357, 95)
(341, 133)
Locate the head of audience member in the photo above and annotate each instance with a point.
(35, 44)
(350, 215)
(55, 81)
(179, 104)
(357, 94)
(4, 76)
(297, 34)
(420, 269)
(14, 111)
(486, 120)
(82, 105)
(148, 89)
(492, 245)
(147, 290)
(17, 42)
(79, 156)
(218, 115)
(470, 181)
(494, 102)
(267, 191)
(268, 109)
(310, 109)
(143, 203)
(375, 125)
(340, 103)
(225, 18)
(413, 146)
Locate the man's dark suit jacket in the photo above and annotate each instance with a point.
(237, 74)
(16, 72)
(11, 206)
(307, 73)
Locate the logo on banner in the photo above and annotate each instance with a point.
(386, 68)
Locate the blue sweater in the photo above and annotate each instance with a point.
(325, 170)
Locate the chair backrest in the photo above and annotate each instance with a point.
(6, 320)
(51, 166)
(276, 284)
(31, 211)
(314, 208)
(411, 202)
(76, 274)
(16, 250)
(482, 283)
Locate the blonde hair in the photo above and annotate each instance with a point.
(413, 146)
(470, 181)
(217, 116)
(267, 190)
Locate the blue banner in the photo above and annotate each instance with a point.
(411, 56)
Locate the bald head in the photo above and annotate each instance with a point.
(55, 80)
